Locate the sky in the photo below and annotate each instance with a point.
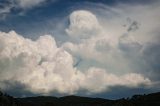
(95, 48)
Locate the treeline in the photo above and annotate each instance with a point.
(136, 100)
(7, 100)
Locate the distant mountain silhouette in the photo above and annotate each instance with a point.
(136, 100)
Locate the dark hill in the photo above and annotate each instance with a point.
(136, 100)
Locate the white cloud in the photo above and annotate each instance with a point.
(43, 68)
(128, 44)
(9, 5)
(28, 3)
(83, 24)
(119, 45)
(113, 51)
(98, 80)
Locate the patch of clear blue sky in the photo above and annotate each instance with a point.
(34, 23)
(29, 23)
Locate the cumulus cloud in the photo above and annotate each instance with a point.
(112, 50)
(28, 3)
(83, 24)
(152, 58)
(6, 6)
(42, 67)
(129, 44)
(120, 43)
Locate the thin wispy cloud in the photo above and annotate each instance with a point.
(91, 49)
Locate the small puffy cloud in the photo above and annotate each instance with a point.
(28, 3)
(43, 68)
(83, 24)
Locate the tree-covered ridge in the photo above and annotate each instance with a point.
(136, 100)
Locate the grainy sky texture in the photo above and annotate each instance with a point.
(97, 48)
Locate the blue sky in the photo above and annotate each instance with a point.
(96, 48)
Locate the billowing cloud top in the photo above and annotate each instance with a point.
(104, 48)
(83, 24)
(43, 67)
